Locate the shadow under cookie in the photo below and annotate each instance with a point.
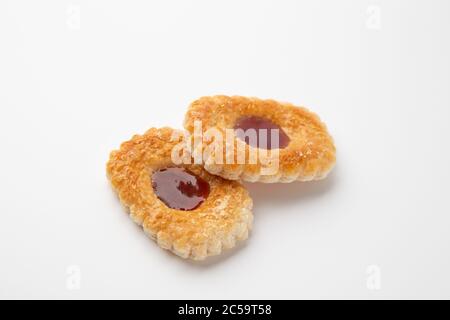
(281, 195)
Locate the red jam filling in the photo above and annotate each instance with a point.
(264, 129)
(180, 189)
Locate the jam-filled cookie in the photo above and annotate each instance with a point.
(184, 208)
(259, 140)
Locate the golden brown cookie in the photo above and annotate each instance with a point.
(184, 208)
(304, 150)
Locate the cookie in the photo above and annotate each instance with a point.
(184, 208)
(286, 143)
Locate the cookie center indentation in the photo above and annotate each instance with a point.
(261, 133)
(180, 189)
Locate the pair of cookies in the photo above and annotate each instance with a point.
(184, 187)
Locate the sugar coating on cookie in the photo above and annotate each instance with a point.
(305, 150)
(215, 223)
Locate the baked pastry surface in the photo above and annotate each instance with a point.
(310, 154)
(224, 218)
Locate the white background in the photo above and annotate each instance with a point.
(79, 77)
